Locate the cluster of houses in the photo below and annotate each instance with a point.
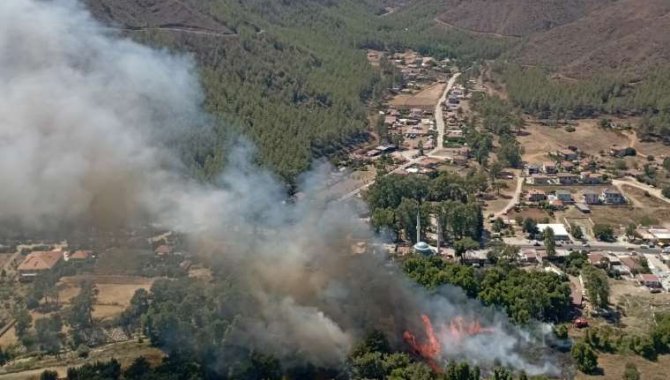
(629, 266)
(568, 167)
(561, 198)
(416, 69)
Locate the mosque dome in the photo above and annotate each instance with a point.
(423, 248)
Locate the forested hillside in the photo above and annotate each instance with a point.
(515, 17)
(649, 97)
(290, 75)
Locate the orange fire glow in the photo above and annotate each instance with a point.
(455, 330)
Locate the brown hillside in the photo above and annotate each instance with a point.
(629, 34)
(515, 17)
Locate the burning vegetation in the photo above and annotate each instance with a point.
(453, 333)
(283, 287)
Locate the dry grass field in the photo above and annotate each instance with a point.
(534, 213)
(114, 292)
(124, 352)
(639, 306)
(638, 196)
(427, 97)
(588, 137)
(8, 338)
(622, 216)
(614, 365)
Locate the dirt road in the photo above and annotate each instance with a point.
(515, 199)
(201, 32)
(631, 182)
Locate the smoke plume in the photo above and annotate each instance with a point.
(88, 125)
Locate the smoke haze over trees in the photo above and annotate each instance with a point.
(93, 129)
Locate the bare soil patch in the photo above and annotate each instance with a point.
(8, 338)
(622, 216)
(422, 99)
(645, 201)
(614, 366)
(588, 137)
(534, 213)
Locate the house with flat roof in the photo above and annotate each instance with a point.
(549, 167)
(567, 166)
(567, 154)
(567, 178)
(531, 169)
(539, 180)
(612, 196)
(591, 197)
(660, 235)
(535, 195)
(560, 233)
(564, 196)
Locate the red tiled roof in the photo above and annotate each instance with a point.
(80, 255)
(40, 260)
(649, 278)
(596, 258)
(163, 249)
(630, 263)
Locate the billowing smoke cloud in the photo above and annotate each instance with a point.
(87, 122)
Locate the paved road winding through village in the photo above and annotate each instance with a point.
(439, 123)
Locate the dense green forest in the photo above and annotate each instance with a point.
(395, 201)
(295, 78)
(535, 92)
(524, 295)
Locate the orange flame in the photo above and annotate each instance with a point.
(430, 350)
(455, 330)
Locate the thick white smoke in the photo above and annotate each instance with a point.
(86, 124)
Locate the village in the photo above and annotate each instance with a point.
(562, 186)
(574, 189)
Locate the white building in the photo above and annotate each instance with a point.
(560, 233)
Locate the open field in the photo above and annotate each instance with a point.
(653, 148)
(638, 304)
(534, 213)
(114, 292)
(8, 338)
(4, 257)
(614, 365)
(124, 352)
(506, 194)
(543, 139)
(622, 216)
(427, 97)
(638, 196)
